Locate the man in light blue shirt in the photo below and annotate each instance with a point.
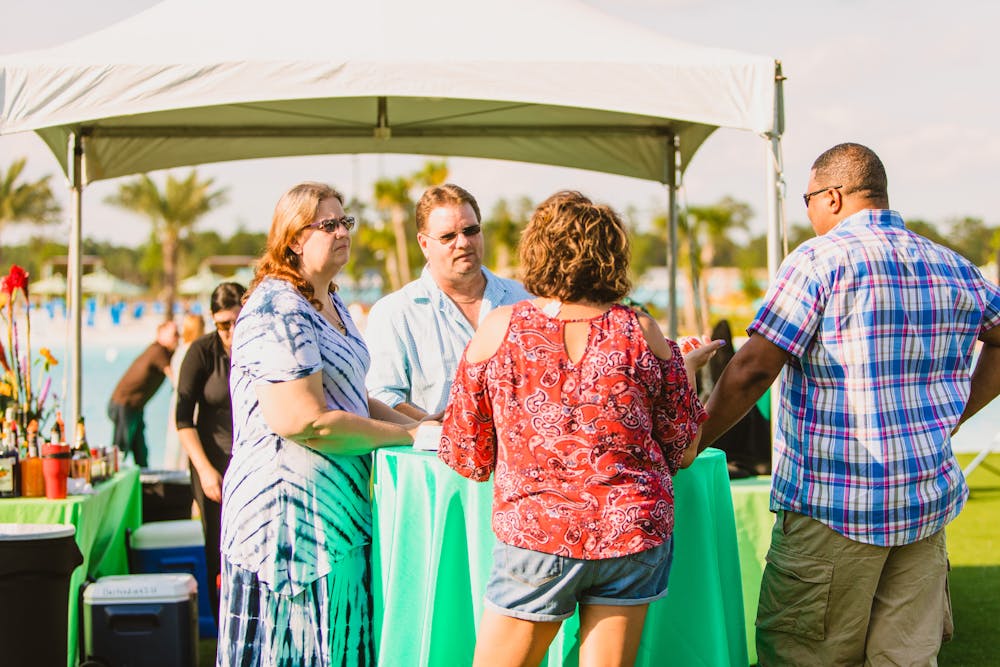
(417, 334)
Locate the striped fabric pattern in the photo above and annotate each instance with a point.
(881, 324)
(289, 512)
(328, 623)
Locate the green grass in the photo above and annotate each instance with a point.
(974, 551)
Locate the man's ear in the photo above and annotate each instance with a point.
(837, 201)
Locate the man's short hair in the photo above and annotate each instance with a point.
(855, 167)
(448, 194)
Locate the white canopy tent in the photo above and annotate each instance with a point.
(546, 81)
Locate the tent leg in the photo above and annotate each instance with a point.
(75, 274)
(673, 169)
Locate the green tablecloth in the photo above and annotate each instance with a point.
(754, 520)
(100, 520)
(432, 555)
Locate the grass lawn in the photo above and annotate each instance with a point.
(974, 550)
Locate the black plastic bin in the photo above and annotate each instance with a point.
(166, 495)
(36, 564)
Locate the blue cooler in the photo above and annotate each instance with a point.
(141, 620)
(175, 546)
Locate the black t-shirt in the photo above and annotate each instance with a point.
(203, 382)
(142, 378)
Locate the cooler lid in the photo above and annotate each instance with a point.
(134, 588)
(35, 531)
(165, 534)
(150, 476)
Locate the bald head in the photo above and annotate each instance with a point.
(858, 170)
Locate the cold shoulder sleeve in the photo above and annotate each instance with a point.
(468, 438)
(677, 412)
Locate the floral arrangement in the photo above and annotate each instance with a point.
(16, 382)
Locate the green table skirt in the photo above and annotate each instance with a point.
(101, 521)
(754, 520)
(432, 556)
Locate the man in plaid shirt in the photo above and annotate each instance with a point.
(875, 327)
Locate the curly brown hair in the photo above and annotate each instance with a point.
(575, 250)
(293, 212)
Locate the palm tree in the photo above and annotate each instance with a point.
(393, 195)
(173, 213)
(504, 228)
(24, 201)
(702, 228)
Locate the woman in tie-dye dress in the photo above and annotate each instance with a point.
(296, 518)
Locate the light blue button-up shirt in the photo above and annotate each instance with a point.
(417, 335)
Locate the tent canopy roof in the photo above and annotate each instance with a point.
(547, 81)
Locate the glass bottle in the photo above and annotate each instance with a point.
(79, 466)
(32, 479)
(10, 470)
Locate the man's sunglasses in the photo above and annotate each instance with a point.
(445, 239)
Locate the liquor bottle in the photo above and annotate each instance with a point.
(10, 470)
(79, 466)
(32, 479)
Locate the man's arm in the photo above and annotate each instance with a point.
(986, 375)
(745, 379)
(388, 378)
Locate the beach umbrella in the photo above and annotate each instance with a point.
(242, 275)
(201, 283)
(102, 283)
(53, 285)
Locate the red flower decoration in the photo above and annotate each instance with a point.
(16, 279)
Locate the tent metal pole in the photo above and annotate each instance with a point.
(75, 275)
(673, 169)
(777, 237)
(776, 233)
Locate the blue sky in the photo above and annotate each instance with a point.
(914, 80)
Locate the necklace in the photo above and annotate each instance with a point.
(336, 320)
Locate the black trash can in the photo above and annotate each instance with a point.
(36, 563)
(166, 495)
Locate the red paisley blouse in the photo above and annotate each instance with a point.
(583, 452)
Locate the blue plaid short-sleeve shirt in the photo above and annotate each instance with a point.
(881, 324)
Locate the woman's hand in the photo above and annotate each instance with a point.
(436, 417)
(211, 483)
(698, 350)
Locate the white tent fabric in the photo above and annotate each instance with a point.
(546, 81)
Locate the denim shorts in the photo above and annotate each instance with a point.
(536, 586)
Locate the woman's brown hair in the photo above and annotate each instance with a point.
(294, 211)
(575, 250)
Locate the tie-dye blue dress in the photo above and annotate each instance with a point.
(296, 524)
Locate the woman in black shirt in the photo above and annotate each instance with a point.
(205, 420)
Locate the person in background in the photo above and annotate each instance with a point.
(204, 418)
(417, 334)
(584, 411)
(296, 512)
(137, 385)
(748, 443)
(192, 328)
(875, 328)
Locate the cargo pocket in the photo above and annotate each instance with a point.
(794, 594)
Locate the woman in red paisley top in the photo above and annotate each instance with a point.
(583, 411)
